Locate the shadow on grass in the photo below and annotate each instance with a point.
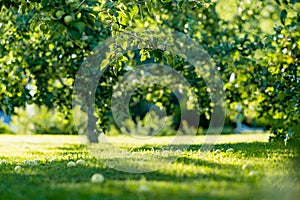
(57, 181)
(49, 180)
(253, 149)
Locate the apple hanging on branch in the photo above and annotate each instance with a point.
(68, 19)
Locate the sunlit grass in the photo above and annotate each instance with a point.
(256, 169)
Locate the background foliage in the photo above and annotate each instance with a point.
(41, 120)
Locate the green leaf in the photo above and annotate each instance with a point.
(141, 12)
(283, 16)
(7, 4)
(44, 3)
(285, 2)
(80, 26)
(33, 24)
(294, 1)
(125, 13)
(149, 6)
(111, 4)
(74, 33)
(134, 11)
(179, 3)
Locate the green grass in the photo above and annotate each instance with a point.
(193, 175)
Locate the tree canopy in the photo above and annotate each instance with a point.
(254, 44)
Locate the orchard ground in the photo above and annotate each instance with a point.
(256, 169)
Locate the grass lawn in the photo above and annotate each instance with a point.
(255, 170)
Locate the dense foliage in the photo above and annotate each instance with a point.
(255, 45)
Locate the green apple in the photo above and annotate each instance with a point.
(115, 27)
(81, 162)
(71, 164)
(59, 13)
(119, 56)
(218, 151)
(230, 150)
(68, 19)
(69, 44)
(43, 27)
(18, 168)
(3, 162)
(97, 178)
(166, 53)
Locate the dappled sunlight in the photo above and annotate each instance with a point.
(149, 99)
(212, 174)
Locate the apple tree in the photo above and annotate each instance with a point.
(255, 45)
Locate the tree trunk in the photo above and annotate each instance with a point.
(91, 128)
